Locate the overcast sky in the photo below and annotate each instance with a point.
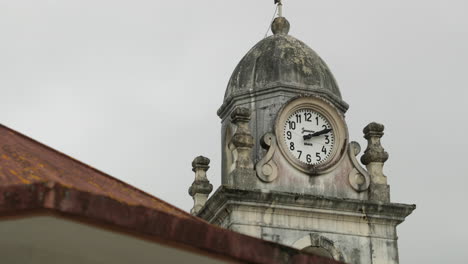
(132, 88)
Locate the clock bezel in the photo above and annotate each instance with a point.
(336, 121)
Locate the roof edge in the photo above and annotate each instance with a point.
(188, 231)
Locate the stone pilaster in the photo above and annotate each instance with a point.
(201, 187)
(242, 141)
(374, 158)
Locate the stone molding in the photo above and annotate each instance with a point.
(317, 240)
(307, 219)
(294, 90)
(357, 209)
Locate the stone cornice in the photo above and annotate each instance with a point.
(300, 202)
(274, 87)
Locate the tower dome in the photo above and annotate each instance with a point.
(282, 61)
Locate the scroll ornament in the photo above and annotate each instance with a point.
(266, 168)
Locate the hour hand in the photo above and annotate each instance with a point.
(318, 133)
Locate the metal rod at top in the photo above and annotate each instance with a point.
(280, 7)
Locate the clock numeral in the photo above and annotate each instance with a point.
(324, 126)
(300, 153)
(309, 158)
(317, 119)
(324, 150)
(291, 146)
(327, 139)
(307, 117)
(289, 135)
(292, 125)
(318, 156)
(298, 119)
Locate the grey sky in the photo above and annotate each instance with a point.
(132, 88)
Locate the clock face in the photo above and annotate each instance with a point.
(309, 136)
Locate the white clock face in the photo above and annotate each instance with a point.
(308, 136)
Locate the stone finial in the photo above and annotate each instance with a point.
(280, 26)
(242, 142)
(202, 163)
(374, 158)
(201, 187)
(374, 152)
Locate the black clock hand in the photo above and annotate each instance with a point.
(318, 133)
(325, 131)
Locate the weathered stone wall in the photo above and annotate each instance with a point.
(351, 230)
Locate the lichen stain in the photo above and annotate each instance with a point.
(4, 156)
(23, 180)
(356, 256)
(33, 176)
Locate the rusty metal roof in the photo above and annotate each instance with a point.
(36, 178)
(26, 162)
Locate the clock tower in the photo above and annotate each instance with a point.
(290, 173)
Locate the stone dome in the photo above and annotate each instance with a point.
(282, 60)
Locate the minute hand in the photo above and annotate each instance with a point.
(318, 133)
